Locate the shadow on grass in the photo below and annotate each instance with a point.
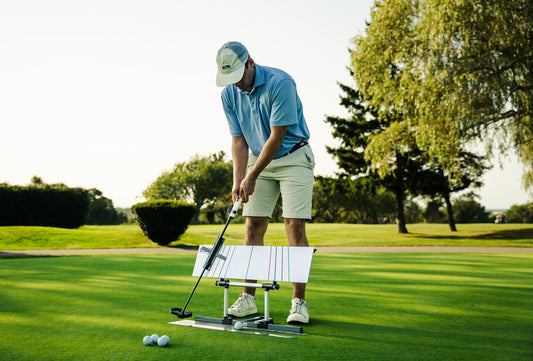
(7, 255)
(183, 247)
(337, 329)
(514, 234)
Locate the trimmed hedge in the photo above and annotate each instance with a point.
(163, 221)
(54, 205)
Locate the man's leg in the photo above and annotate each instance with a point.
(299, 312)
(255, 232)
(297, 237)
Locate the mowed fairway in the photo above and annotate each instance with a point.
(319, 234)
(393, 306)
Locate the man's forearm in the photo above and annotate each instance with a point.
(268, 152)
(239, 152)
(270, 149)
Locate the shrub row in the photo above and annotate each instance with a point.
(53, 205)
(163, 221)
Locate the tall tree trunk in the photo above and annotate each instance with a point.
(449, 210)
(400, 212)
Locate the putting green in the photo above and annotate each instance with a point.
(363, 306)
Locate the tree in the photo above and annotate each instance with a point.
(37, 181)
(460, 70)
(413, 212)
(342, 200)
(328, 200)
(101, 210)
(397, 171)
(397, 163)
(436, 181)
(468, 210)
(201, 180)
(522, 213)
(433, 213)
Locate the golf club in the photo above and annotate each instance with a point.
(213, 253)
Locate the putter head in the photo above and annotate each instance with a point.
(180, 312)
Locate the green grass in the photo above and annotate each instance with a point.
(124, 236)
(319, 234)
(363, 307)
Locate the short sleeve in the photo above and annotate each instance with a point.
(284, 104)
(231, 115)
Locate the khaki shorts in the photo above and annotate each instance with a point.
(292, 176)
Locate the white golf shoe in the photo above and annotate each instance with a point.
(299, 311)
(244, 306)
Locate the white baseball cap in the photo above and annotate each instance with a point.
(230, 60)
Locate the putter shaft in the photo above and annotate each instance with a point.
(214, 251)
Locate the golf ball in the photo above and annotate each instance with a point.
(238, 325)
(155, 337)
(163, 340)
(147, 340)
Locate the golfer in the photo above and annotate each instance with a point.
(271, 155)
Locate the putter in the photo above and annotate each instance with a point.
(213, 253)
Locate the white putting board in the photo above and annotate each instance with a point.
(264, 263)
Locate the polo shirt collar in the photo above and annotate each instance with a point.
(259, 79)
(259, 76)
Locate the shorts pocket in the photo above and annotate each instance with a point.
(308, 158)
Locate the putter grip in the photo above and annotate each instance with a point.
(235, 208)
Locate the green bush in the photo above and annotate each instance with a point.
(163, 221)
(54, 205)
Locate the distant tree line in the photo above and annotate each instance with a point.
(341, 201)
(102, 212)
(337, 199)
(520, 213)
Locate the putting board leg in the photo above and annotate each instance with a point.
(267, 304)
(226, 303)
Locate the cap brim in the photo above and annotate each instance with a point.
(230, 78)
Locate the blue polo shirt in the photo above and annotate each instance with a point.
(272, 102)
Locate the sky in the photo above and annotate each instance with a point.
(108, 94)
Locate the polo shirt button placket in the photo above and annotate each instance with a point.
(255, 111)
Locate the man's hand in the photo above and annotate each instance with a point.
(235, 193)
(247, 188)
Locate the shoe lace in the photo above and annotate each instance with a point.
(241, 301)
(297, 306)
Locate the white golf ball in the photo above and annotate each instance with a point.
(163, 340)
(238, 325)
(155, 337)
(147, 340)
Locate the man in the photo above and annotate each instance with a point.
(265, 118)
